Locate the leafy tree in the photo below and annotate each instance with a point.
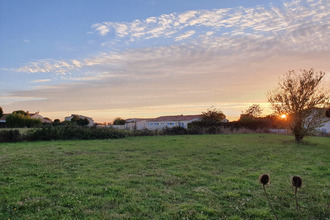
(1, 112)
(20, 119)
(299, 96)
(253, 111)
(75, 118)
(83, 122)
(119, 121)
(57, 121)
(21, 112)
(79, 121)
(213, 116)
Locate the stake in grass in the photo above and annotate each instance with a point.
(264, 180)
(297, 183)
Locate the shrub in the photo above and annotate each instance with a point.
(10, 136)
(20, 120)
(144, 132)
(175, 131)
(72, 132)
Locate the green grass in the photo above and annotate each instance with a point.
(164, 177)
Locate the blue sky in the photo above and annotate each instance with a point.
(146, 58)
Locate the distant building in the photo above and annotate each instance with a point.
(325, 128)
(90, 120)
(3, 120)
(36, 115)
(161, 122)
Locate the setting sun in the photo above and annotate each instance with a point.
(283, 116)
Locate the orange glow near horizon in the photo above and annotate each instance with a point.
(283, 116)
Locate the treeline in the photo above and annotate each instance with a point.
(66, 132)
(21, 119)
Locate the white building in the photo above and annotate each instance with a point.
(161, 122)
(90, 120)
(36, 115)
(325, 128)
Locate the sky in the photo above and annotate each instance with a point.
(149, 58)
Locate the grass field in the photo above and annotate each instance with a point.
(164, 177)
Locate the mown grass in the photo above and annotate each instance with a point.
(164, 177)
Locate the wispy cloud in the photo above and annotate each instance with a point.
(41, 80)
(259, 20)
(297, 26)
(185, 35)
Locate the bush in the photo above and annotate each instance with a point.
(10, 136)
(144, 132)
(175, 131)
(20, 120)
(72, 132)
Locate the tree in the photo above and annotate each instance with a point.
(253, 111)
(299, 96)
(20, 119)
(1, 112)
(21, 112)
(80, 121)
(57, 121)
(213, 116)
(118, 121)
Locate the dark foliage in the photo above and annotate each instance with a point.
(144, 132)
(20, 119)
(79, 121)
(253, 123)
(10, 136)
(175, 131)
(327, 113)
(72, 132)
(119, 121)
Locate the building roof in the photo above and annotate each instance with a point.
(176, 118)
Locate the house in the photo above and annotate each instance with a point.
(161, 122)
(136, 124)
(325, 128)
(3, 120)
(90, 120)
(36, 115)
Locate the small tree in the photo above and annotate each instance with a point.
(118, 121)
(21, 112)
(20, 119)
(79, 121)
(253, 111)
(1, 112)
(213, 116)
(57, 121)
(299, 96)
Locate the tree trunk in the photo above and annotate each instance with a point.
(299, 138)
